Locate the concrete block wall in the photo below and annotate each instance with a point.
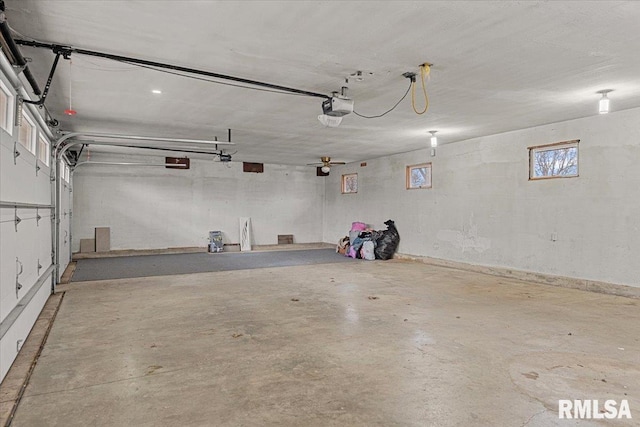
(155, 207)
(483, 209)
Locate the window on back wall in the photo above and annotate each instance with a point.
(350, 183)
(6, 108)
(27, 133)
(43, 150)
(559, 160)
(419, 176)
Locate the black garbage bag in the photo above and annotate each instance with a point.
(387, 244)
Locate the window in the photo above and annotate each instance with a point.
(27, 133)
(350, 183)
(559, 160)
(64, 173)
(43, 150)
(6, 108)
(419, 176)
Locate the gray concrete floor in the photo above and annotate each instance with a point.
(371, 344)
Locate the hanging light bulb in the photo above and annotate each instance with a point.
(325, 169)
(434, 138)
(603, 105)
(70, 111)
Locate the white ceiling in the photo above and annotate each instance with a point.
(498, 66)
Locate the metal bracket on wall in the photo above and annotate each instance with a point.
(18, 273)
(37, 168)
(17, 219)
(38, 218)
(39, 267)
(16, 153)
(66, 233)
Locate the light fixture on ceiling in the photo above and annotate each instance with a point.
(434, 138)
(603, 105)
(329, 121)
(325, 169)
(156, 91)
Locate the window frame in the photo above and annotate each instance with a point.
(574, 143)
(33, 135)
(410, 168)
(47, 144)
(343, 182)
(10, 108)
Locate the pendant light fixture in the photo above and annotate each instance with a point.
(434, 138)
(603, 104)
(70, 111)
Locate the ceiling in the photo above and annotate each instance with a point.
(498, 66)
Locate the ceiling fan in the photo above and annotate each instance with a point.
(326, 164)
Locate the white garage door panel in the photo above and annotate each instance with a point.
(8, 248)
(19, 330)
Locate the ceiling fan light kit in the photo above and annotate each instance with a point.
(325, 164)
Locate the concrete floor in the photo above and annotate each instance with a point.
(371, 344)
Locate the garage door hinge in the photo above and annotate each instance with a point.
(17, 219)
(16, 153)
(19, 269)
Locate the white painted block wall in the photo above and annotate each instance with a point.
(483, 210)
(153, 208)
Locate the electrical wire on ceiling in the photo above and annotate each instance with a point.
(389, 110)
(425, 70)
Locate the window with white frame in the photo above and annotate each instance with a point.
(419, 176)
(27, 133)
(350, 183)
(43, 150)
(6, 108)
(558, 160)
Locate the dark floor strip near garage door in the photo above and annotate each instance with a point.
(168, 264)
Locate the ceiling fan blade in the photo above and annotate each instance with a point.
(337, 163)
(314, 164)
